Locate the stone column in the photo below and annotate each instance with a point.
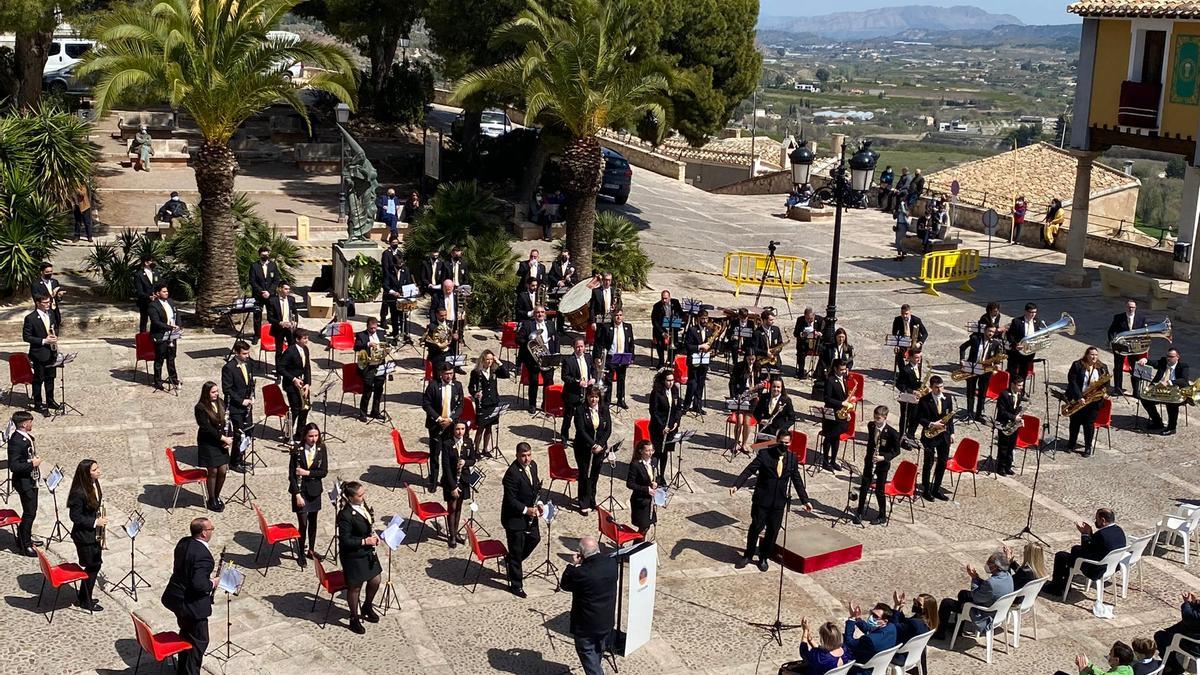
(1073, 274)
(1189, 209)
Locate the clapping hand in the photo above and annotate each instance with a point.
(1081, 662)
(898, 599)
(855, 610)
(1084, 528)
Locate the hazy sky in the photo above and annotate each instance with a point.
(1029, 11)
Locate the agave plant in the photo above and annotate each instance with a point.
(32, 224)
(52, 148)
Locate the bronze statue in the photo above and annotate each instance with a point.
(359, 177)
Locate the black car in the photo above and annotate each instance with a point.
(64, 81)
(618, 176)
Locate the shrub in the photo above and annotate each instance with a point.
(116, 265)
(53, 149)
(31, 225)
(407, 89)
(491, 260)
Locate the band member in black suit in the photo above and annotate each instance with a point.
(665, 411)
(978, 348)
(395, 278)
(559, 279)
(445, 299)
(519, 512)
(356, 548)
(1127, 320)
(593, 425)
(578, 373)
(774, 467)
(808, 339)
(910, 378)
(264, 279)
(696, 341)
(591, 580)
(163, 321)
(614, 338)
(1083, 374)
(1020, 366)
(40, 331)
(605, 300)
(739, 337)
(840, 348)
(767, 337)
(295, 372)
(527, 333)
(991, 317)
(774, 410)
(24, 471)
(189, 593)
(744, 383)
(455, 269)
(931, 411)
(883, 445)
(430, 273)
(443, 404)
(1097, 539)
(531, 269)
(1170, 372)
(458, 460)
(237, 384)
(307, 467)
(47, 285)
(365, 340)
(667, 310)
(281, 312)
(484, 389)
(837, 391)
(441, 339)
(908, 325)
(144, 282)
(526, 302)
(1008, 409)
(642, 485)
(83, 505)
(213, 440)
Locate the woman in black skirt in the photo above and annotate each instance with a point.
(83, 503)
(356, 547)
(458, 456)
(214, 444)
(484, 390)
(744, 379)
(641, 482)
(665, 410)
(309, 464)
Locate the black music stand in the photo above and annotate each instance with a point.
(672, 326)
(610, 502)
(64, 408)
(846, 511)
(733, 406)
(133, 526)
(678, 480)
(334, 494)
(472, 521)
(323, 392)
(1028, 529)
(328, 331)
(547, 569)
(244, 306)
(699, 359)
(385, 370)
(493, 421)
(53, 480)
(244, 495)
(230, 581)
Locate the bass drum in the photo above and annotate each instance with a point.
(575, 307)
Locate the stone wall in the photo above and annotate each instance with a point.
(712, 177)
(646, 159)
(774, 183)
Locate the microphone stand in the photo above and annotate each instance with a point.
(777, 628)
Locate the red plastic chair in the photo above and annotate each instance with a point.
(181, 477)
(615, 532)
(856, 384)
(1028, 436)
(424, 511)
(730, 422)
(488, 549)
(160, 646)
(849, 436)
(273, 535)
(343, 339)
(352, 383)
(965, 460)
(589, 336)
(798, 446)
(143, 350)
(10, 519)
(468, 412)
(641, 431)
(1104, 419)
(275, 405)
(404, 457)
(997, 384)
(333, 582)
(560, 469)
(541, 382)
(266, 342)
(552, 405)
(903, 485)
(508, 338)
(57, 575)
(20, 371)
(681, 369)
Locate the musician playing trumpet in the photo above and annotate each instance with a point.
(1171, 372)
(1008, 409)
(1084, 374)
(744, 385)
(295, 372)
(934, 411)
(83, 503)
(978, 348)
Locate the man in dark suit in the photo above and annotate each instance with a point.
(667, 310)
(49, 286)
(1020, 366)
(739, 338)
(24, 471)
(605, 299)
(264, 279)
(372, 383)
(237, 384)
(430, 273)
(1188, 625)
(1007, 408)
(443, 404)
(883, 445)
(766, 336)
(775, 467)
(578, 373)
(455, 269)
(40, 331)
(808, 332)
(530, 269)
(395, 278)
(696, 341)
(1127, 320)
(978, 348)
(614, 338)
(527, 332)
(837, 390)
(164, 319)
(1097, 540)
(519, 512)
(592, 582)
(560, 277)
(189, 593)
(931, 410)
(281, 312)
(295, 373)
(436, 353)
(526, 301)
(908, 325)
(909, 379)
(1171, 372)
(144, 281)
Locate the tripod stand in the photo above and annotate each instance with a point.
(547, 569)
(389, 591)
(244, 495)
(777, 628)
(475, 525)
(326, 435)
(135, 579)
(610, 502)
(60, 531)
(771, 270)
(678, 480)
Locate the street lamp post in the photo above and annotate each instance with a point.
(404, 45)
(342, 111)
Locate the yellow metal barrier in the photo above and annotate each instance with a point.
(961, 265)
(788, 272)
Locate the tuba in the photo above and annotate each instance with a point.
(1137, 341)
(1039, 340)
(1172, 394)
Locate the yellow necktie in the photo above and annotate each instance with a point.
(214, 407)
(446, 401)
(583, 373)
(620, 339)
(528, 476)
(303, 358)
(595, 419)
(779, 467)
(245, 375)
(46, 322)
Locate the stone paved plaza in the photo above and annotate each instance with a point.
(705, 603)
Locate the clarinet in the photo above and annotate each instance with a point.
(220, 564)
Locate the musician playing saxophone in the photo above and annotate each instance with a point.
(295, 372)
(443, 405)
(1174, 373)
(1083, 374)
(83, 503)
(768, 337)
(774, 410)
(933, 412)
(1008, 409)
(978, 348)
(370, 340)
(837, 390)
(909, 379)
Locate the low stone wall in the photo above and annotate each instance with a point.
(774, 183)
(647, 159)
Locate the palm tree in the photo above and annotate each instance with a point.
(576, 74)
(212, 58)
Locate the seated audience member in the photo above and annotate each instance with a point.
(1096, 541)
(821, 658)
(1120, 662)
(878, 632)
(1189, 625)
(1144, 662)
(983, 592)
(922, 619)
(1031, 568)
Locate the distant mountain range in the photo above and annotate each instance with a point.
(890, 21)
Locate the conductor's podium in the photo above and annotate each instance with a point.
(810, 549)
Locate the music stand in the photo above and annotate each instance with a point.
(610, 502)
(64, 408)
(328, 331)
(734, 406)
(334, 494)
(678, 480)
(244, 495)
(230, 581)
(845, 514)
(493, 420)
(473, 507)
(393, 537)
(323, 393)
(672, 325)
(386, 370)
(699, 359)
(825, 415)
(898, 342)
(133, 526)
(53, 480)
(619, 359)
(547, 569)
(244, 306)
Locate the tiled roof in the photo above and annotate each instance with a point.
(1174, 9)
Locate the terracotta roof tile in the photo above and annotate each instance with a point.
(1178, 9)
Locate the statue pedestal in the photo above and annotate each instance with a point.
(343, 252)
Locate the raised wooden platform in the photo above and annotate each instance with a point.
(814, 548)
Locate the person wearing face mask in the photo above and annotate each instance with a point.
(1098, 539)
(983, 592)
(878, 632)
(395, 278)
(144, 281)
(455, 269)
(142, 149)
(47, 285)
(172, 209)
(777, 471)
(387, 210)
(264, 279)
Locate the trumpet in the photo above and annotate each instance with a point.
(1039, 340)
(1137, 341)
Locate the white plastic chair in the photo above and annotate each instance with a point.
(1109, 563)
(999, 611)
(911, 652)
(1137, 548)
(879, 664)
(843, 669)
(1190, 663)
(1183, 524)
(1026, 603)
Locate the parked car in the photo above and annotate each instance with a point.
(618, 176)
(64, 81)
(495, 123)
(64, 51)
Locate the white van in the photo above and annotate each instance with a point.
(66, 51)
(292, 71)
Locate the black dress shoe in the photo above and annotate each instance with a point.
(519, 592)
(91, 605)
(881, 520)
(159, 386)
(927, 496)
(857, 519)
(238, 467)
(216, 507)
(1154, 426)
(378, 416)
(533, 410)
(36, 542)
(743, 561)
(302, 561)
(356, 626)
(623, 405)
(460, 539)
(28, 552)
(362, 417)
(941, 496)
(1168, 432)
(368, 614)
(763, 565)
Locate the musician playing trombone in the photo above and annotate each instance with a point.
(1084, 375)
(978, 348)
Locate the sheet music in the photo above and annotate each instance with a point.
(231, 579)
(64, 359)
(329, 329)
(335, 492)
(133, 527)
(409, 291)
(174, 335)
(660, 497)
(549, 510)
(701, 359)
(387, 368)
(245, 444)
(393, 534)
(1143, 371)
(54, 478)
(9, 430)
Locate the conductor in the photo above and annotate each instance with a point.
(592, 582)
(189, 592)
(519, 514)
(775, 467)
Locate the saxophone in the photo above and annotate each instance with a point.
(772, 357)
(934, 433)
(847, 409)
(1015, 425)
(1096, 391)
(990, 365)
(718, 330)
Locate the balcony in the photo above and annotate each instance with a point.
(1138, 106)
